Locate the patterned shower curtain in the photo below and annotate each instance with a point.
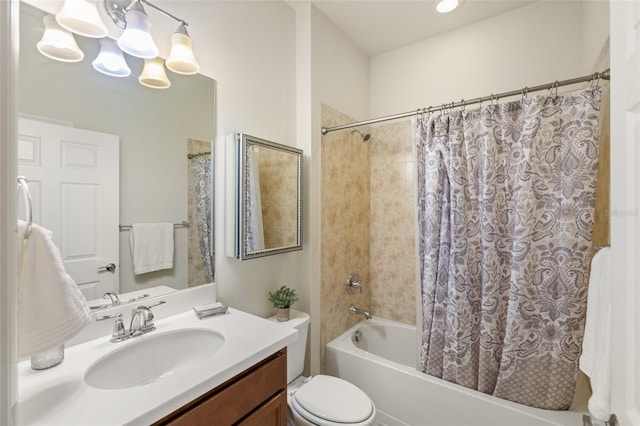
(201, 172)
(505, 219)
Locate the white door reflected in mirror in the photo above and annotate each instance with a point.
(73, 177)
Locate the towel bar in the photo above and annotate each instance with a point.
(183, 224)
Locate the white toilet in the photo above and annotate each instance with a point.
(321, 400)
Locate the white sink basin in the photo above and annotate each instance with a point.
(153, 357)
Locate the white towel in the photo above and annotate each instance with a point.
(51, 308)
(151, 247)
(596, 346)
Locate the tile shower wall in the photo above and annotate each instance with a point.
(345, 230)
(392, 222)
(367, 224)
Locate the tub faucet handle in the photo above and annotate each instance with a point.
(353, 283)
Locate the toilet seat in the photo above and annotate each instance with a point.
(328, 401)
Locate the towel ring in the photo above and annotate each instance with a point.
(23, 183)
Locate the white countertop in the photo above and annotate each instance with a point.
(59, 396)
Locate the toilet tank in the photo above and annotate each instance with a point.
(296, 350)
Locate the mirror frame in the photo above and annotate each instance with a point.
(243, 144)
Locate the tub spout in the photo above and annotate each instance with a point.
(354, 311)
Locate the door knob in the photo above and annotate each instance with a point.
(110, 267)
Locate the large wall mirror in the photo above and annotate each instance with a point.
(268, 197)
(159, 169)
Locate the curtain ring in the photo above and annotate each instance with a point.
(462, 105)
(525, 92)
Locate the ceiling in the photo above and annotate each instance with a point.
(383, 25)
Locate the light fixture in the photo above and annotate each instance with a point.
(181, 59)
(153, 74)
(127, 28)
(136, 39)
(81, 17)
(110, 60)
(446, 6)
(58, 43)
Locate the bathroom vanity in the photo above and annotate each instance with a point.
(220, 370)
(257, 396)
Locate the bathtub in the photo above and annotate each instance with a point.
(383, 364)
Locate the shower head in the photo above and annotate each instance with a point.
(365, 137)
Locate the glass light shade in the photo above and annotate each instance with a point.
(446, 6)
(153, 74)
(181, 59)
(136, 39)
(58, 43)
(81, 17)
(110, 60)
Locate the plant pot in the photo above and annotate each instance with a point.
(282, 314)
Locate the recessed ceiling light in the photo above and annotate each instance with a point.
(446, 6)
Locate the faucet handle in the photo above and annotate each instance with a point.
(119, 332)
(353, 283)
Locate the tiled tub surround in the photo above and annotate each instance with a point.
(392, 223)
(367, 227)
(344, 226)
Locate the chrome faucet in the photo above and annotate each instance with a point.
(113, 297)
(354, 311)
(142, 319)
(141, 323)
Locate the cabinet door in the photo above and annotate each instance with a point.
(272, 413)
(249, 392)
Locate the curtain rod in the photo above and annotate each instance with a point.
(604, 75)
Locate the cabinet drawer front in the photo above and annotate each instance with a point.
(235, 400)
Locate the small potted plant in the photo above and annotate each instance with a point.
(282, 299)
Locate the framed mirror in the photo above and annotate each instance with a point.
(162, 168)
(268, 197)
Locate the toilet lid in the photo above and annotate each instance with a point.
(334, 400)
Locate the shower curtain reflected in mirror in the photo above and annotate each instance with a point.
(505, 202)
(255, 228)
(201, 258)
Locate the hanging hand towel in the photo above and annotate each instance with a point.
(596, 345)
(151, 247)
(51, 308)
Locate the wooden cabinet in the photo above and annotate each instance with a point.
(257, 396)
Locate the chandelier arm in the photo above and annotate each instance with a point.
(159, 9)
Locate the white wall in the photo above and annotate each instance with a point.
(595, 32)
(536, 44)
